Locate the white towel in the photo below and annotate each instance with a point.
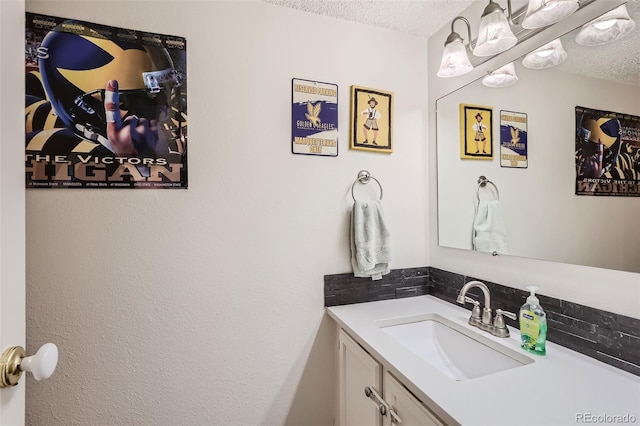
(370, 248)
(489, 230)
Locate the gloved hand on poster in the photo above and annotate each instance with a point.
(135, 135)
(592, 165)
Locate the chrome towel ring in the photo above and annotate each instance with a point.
(482, 182)
(364, 177)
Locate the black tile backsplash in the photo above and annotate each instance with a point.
(344, 289)
(608, 337)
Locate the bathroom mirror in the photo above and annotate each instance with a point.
(543, 217)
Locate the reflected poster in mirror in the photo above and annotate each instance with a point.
(476, 132)
(607, 153)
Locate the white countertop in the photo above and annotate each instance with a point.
(562, 388)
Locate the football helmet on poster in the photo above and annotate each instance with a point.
(76, 62)
(600, 143)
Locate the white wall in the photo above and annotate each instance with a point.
(544, 218)
(606, 289)
(205, 306)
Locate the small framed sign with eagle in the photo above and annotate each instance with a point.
(314, 118)
(371, 120)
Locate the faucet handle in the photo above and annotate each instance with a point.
(506, 314)
(499, 327)
(470, 300)
(475, 312)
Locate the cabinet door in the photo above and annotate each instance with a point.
(410, 410)
(357, 370)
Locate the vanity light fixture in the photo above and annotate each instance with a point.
(606, 28)
(495, 35)
(455, 60)
(502, 77)
(541, 13)
(547, 56)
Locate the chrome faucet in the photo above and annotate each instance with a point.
(484, 321)
(475, 319)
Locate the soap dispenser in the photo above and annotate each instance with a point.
(533, 324)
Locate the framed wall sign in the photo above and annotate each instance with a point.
(314, 118)
(476, 132)
(513, 139)
(371, 120)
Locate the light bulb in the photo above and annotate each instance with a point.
(546, 56)
(609, 27)
(541, 13)
(603, 25)
(544, 53)
(502, 77)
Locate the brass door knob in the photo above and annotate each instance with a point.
(41, 365)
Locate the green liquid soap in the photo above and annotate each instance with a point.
(533, 325)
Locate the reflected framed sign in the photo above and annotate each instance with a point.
(476, 132)
(513, 139)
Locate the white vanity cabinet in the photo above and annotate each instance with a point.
(357, 370)
(408, 409)
(369, 395)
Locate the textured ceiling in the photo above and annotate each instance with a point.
(421, 18)
(619, 60)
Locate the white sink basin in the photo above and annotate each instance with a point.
(456, 351)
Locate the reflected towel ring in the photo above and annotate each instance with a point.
(364, 177)
(482, 182)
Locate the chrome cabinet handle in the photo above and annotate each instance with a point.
(384, 408)
(368, 392)
(394, 416)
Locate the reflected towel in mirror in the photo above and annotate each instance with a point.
(489, 230)
(369, 236)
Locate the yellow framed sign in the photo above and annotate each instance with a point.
(371, 126)
(476, 132)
